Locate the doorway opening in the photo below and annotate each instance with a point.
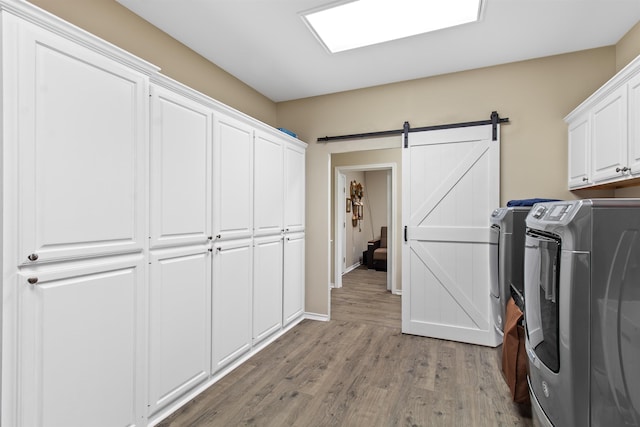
(355, 230)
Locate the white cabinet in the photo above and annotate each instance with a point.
(181, 158)
(604, 134)
(179, 322)
(81, 343)
(269, 184)
(232, 301)
(294, 181)
(609, 136)
(267, 286)
(293, 281)
(132, 208)
(74, 130)
(580, 152)
(233, 178)
(633, 160)
(180, 229)
(80, 145)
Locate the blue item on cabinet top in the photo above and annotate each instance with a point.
(528, 202)
(288, 132)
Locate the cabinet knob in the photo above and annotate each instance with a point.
(623, 170)
(33, 257)
(584, 178)
(32, 280)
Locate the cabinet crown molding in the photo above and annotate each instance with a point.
(33, 14)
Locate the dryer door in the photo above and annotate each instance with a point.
(615, 344)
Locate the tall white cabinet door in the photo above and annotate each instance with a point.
(180, 322)
(609, 143)
(293, 281)
(294, 181)
(233, 178)
(267, 287)
(81, 343)
(231, 310)
(268, 184)
(579, 152)
(180, 169)
(81, 150)
(633, 161)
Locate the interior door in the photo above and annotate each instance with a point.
(450, 186)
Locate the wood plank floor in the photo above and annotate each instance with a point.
(358, 370)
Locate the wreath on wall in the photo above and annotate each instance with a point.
(356, 191)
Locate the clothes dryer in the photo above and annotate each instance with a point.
(582, 312)
(506, 260)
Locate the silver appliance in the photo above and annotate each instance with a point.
(506, 260)
(582, 312)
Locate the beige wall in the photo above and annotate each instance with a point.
(536, 95)
(376, 190)
(628, 47)
(116, 24)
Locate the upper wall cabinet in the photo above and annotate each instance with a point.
(268, 184)
(604, 133)
(294, 172)
(180, 186)
(233, 178)
(80, 121)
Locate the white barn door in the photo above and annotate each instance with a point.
(451, 181)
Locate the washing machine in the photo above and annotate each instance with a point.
(506, 260)
(582, 312)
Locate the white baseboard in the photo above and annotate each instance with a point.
(353, 267)
(316, 316)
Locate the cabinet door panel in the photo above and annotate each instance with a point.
(293, 283)
(232, 303)
(180, 170)
(81, 344)
(81, 148)
(609, 145)
(180, 323)
(233, 182)
(294, 167)
(579, 153)
(634, 125)
(267, 287)
(269, 187)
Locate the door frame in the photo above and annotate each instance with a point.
(340, 217)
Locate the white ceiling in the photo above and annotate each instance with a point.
(266, 44)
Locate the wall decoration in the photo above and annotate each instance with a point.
(356, 190)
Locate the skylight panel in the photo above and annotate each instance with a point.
(366, 22)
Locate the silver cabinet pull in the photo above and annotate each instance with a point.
(33, 257)
(32, 280)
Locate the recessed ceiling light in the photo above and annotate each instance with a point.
(366, 22)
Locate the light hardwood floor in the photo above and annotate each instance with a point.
(358, 370)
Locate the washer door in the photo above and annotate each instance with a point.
(617, 362)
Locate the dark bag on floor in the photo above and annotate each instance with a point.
(514, 356)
